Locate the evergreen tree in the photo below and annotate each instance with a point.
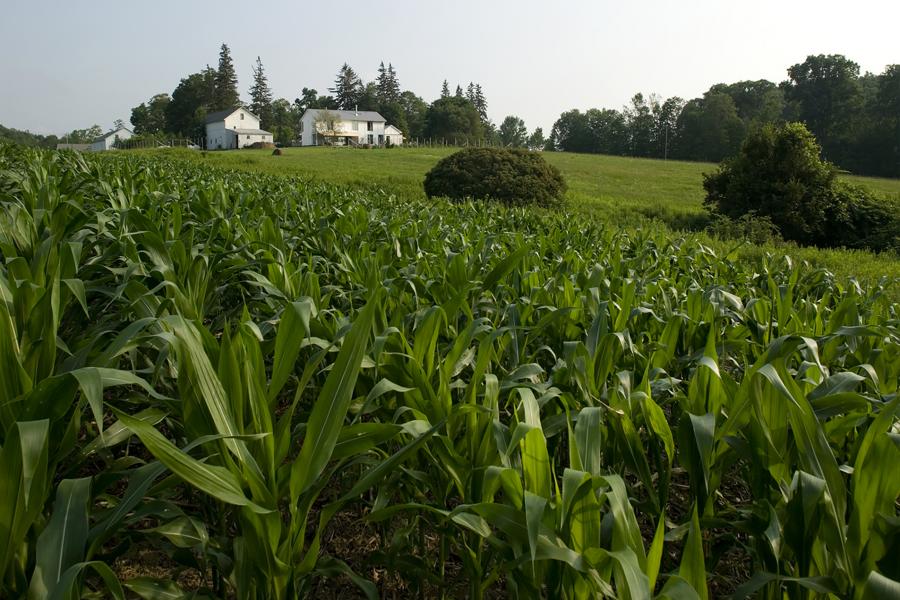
(383, 83)
(393, 84)
(226, 82)
(459, 92)
(347, 88)
(387, 86)
(445, 90)
(480, 103)
(261, 96)
(470, 93)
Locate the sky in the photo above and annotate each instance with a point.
(71, 64)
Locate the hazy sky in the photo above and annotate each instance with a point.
(70, 64)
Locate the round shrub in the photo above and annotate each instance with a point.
(779, 174)
(509, 175)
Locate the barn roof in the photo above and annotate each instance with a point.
(221, 115)
(250, 131)
(111, 133)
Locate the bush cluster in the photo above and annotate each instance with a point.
(779, 174)
(510, 175)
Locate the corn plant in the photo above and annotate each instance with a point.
(217, 365)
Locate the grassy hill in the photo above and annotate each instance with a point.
(670, 190)
(624, 191)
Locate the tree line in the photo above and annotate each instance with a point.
(36, 140)
(458, 116)
(855, 118)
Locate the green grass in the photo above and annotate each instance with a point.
(624, 191)
(608, 182)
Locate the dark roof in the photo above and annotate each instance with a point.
(349, 115)
(220, 115)
(109, 133)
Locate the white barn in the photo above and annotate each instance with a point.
(393, 135)
(107, 140)
(234, 128)
(321, 127)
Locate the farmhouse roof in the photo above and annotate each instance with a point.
(348, 115)
(220, 115)
(392, 129)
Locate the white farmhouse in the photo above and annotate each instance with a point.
(321, 127)
(234, 128)
(108, 140)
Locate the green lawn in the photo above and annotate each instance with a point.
(623, 190)
(613, 182)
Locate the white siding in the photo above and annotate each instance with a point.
(224, 134)
(245, 139)
(394, 135)
(241, 119)
(109, 140)
(361, 133)
(217, 138)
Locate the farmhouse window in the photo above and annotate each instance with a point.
(248, 137)
(355, 125)
(369, 126)
(242, 116)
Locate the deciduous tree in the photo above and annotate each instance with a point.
(150, 117)
(829, 99)
(513, 132)
(452, 119)
(536, 140)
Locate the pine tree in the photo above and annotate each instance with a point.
(261, 96)
(459, 92)
(470, 93)
(445, 90)
(393, 84)
(209, 90)
(347, 88)
(383, 84)
(226, 81)
(480, 103)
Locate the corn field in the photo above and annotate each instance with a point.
(295, 390)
